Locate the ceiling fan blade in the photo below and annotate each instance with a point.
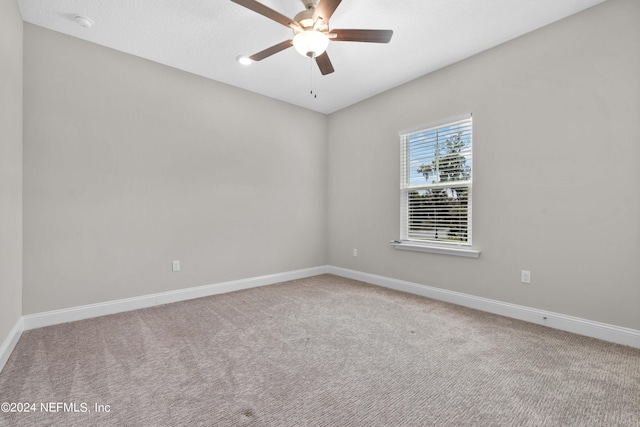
(266, 11)
(271, 50)
(370, 36)
(324, 63)
(325, 9)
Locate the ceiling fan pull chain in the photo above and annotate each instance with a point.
(311, 81)
(310, 78)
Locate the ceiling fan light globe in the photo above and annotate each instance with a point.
(310, 43)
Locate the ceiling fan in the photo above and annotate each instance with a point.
(311, 31)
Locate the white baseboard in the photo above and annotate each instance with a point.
(10, 342)
(603, 331)
(39, 320)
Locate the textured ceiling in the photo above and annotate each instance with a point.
(204, 37)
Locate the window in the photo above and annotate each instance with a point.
(436, 181)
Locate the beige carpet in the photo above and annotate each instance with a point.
(324, 351)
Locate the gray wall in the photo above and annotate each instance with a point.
(556, 126)
(10, 166)
(129, 165)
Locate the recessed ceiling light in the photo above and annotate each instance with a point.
(244, 60)
(83, 21)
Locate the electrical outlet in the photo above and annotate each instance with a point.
(175, 266)
(355, 252)
(525, 276)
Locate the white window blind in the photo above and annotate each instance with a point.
(436, 182)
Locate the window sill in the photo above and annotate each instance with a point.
(435, 249)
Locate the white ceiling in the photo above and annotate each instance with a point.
(204, 37)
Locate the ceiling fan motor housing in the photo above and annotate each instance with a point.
(304, 18)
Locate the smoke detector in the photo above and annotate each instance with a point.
(83, 21)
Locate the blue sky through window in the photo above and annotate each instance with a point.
(430, 146)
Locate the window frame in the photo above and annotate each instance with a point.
(442, 247)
